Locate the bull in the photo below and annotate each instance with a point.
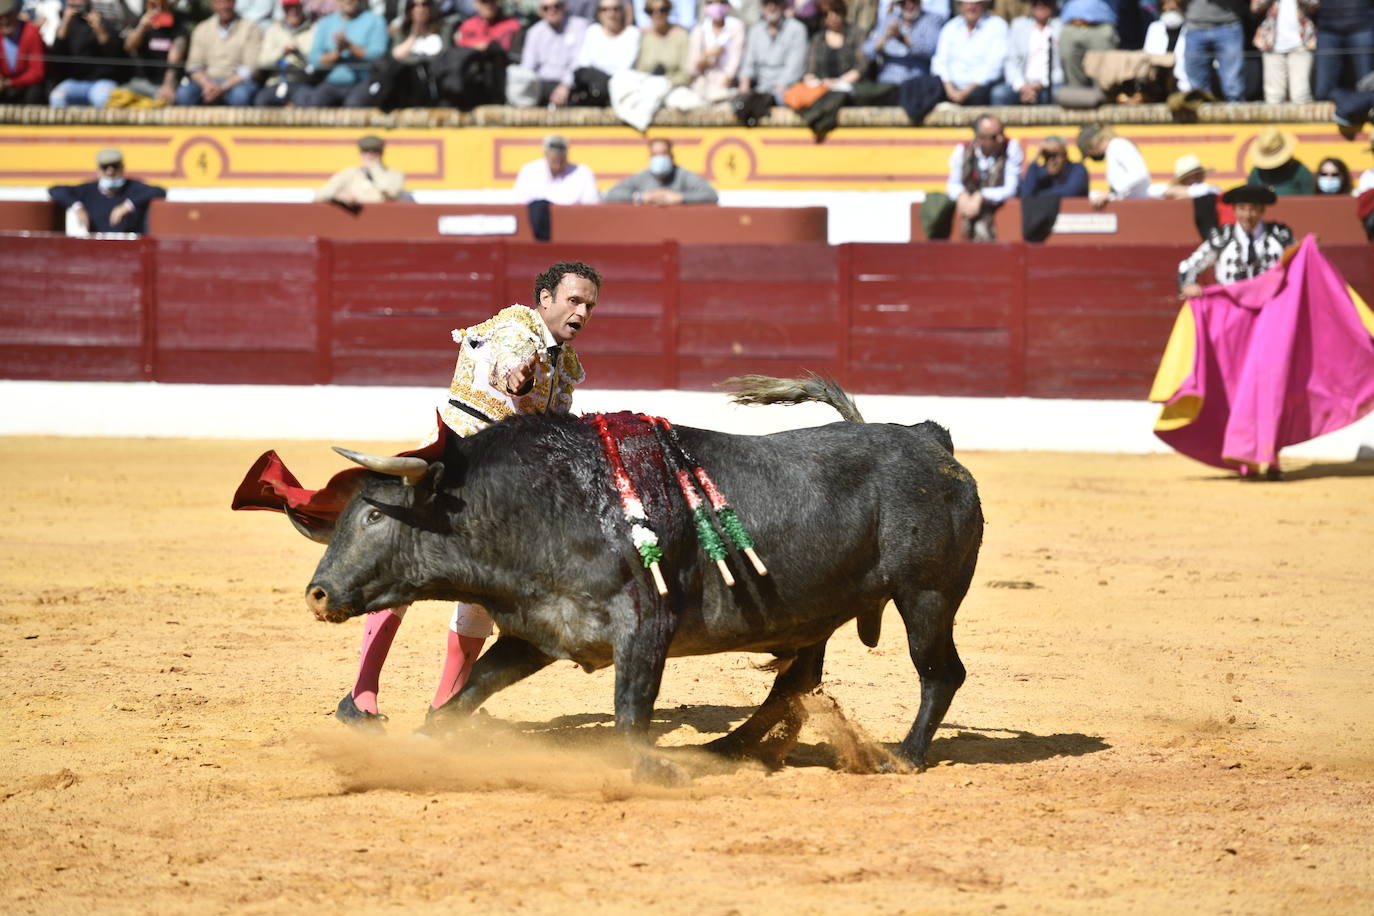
(520, 518)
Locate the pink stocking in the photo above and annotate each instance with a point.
(377, 635)
(462, 652)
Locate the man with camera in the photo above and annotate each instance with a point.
(84, 47)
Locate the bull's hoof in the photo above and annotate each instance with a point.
(349, 714)
(445, 721)
(659, 772)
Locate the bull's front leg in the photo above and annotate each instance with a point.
(640, 652)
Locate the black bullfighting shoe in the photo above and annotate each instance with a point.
(349, 714)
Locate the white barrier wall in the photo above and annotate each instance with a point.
(349, 414)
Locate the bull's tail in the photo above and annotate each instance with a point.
(764, 389)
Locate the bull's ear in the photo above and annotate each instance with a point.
(321, 534)
(427, 487)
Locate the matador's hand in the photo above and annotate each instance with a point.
(519, 379)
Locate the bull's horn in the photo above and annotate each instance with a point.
(408, 469)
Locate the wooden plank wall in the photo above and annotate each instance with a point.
(991, 320)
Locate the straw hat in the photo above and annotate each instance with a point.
(1273, 147)
(1186, 165)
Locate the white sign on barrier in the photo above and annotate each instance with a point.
(478, 224)
(1085, 224)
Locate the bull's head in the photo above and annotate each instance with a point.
(373, 556)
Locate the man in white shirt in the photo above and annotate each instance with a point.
(983, 174)
(555, 179)
(1128, 178)
(970, 54)
(1190, 180)
(1033, 66)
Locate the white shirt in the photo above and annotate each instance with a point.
(610, 55)
(1287, 32)
(1201, 189)
(577, 184)
(1366, 182)
(1038, 54)
(1127, 175)
(1157, 42)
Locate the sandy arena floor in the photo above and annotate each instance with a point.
(1168, 708)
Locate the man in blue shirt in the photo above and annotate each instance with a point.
(1087, 25)
(346, 43)
(904, 41)
(1053, 175)
(112, 203)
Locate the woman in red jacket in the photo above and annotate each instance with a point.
(21, 59)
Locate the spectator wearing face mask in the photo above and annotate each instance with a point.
(715, 50)
(663, 183)
(111, 203)
(1333, 177)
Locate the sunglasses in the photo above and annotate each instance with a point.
(660, 10)
(1330, 174)
(547, 7)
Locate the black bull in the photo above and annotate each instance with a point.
(521, 518)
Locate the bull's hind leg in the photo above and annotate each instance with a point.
(929, 619)
(772, 731)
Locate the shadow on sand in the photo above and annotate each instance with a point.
(1313, 471)
(968, 744)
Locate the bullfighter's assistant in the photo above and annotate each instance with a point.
(520, 361)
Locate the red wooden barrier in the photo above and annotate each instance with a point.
(945, 319)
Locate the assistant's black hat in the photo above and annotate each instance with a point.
(1249, 194)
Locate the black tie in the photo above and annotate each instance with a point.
(555, 354)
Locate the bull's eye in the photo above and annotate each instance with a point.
(373, 516)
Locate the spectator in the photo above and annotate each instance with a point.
(904, 41)
(663, 183)
(281, 61)
(1087, 25)
(1190, 180)
(715, 50)
(552, 47)
(836, 58)
(157, 44)
(111, 203)
(983, 175)
(491, 27)
(1053, 175)
(368, 182)
(684, 14)
(219, 67)
(1128, 177)
(407, 76)
(21, 58)
(1169, 35)
(555, 179)
(1333, 177)
(774, 53)
(1274, 166)
(87, 76)
(663, 45)
(1035, 66)
(1244, 249)
(608, 48)
(346, 43)
(1345, 31)
(1287, 37)
(1215, 37)
(971, 53)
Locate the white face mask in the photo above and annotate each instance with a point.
(111, 184)
(660, 166)
(1329, 184)
(1172, 19)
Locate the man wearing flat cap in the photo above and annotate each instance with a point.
(368, 182)
(1244, 249)
(111, 203)
(1275, 167)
